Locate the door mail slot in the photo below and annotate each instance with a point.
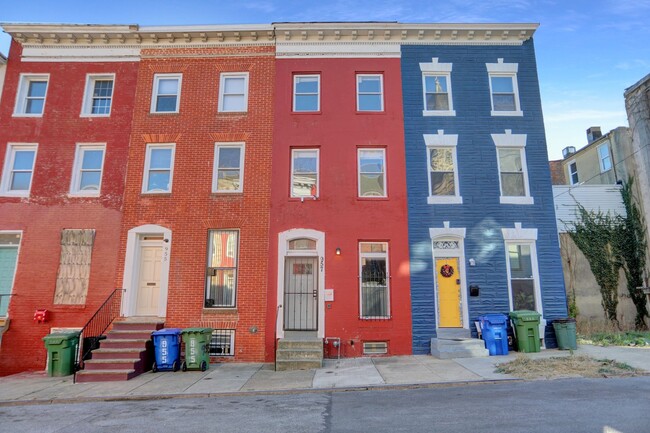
(151, 284)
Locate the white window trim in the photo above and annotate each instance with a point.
(441, 69)
(215, 171)
(21, 95)
(295, 81)
(388, 278)
(513, 141)
(87, 105)
(8, 168)
(76, 169)
(501, 69)
(449, 141)
(222, 87)
(381, 92)
(385, 186)
(305, 149)
(600, 158)
(154, 92)
(147, 162)
(568, 168)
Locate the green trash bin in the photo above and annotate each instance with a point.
(526, 324)
(565, 333)
(61, 350)
(197, 348)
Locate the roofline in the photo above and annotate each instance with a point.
(636, 85)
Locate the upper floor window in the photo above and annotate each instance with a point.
(372, 172)
(604, 157)
(32, 90)
(436, 86)
(158, 169)
(18, 170)
(87, 169)
(228, 167)
(573, 173)
(233, 92)
(306, 93)
(513, 171)
(304, 173)
(443, 168)
(370, 92)
(166, 93)
(98, 95)
(504, 91)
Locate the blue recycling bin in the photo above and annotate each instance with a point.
(167, 346)
(495, 333)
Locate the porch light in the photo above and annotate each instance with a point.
(338, 251)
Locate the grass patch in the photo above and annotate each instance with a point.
(565, 366)
(629, 338)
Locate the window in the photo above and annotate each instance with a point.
(18, 170)
(30, 100)
(573, 173)
(159, 168)
(304, 173)
(436, 85)
(503, 88)
(513, 172)
(228, 167)
(372, 173)
(74, 266)
(166, 93)
(604, 157)
(233, 92)
(522, 281)
(222, 342)
(306, 93)
(221, 280)
(87, 169)
(374, 278)
(370, 93)
(98, 95)
(441, 165)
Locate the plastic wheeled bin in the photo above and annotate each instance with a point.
(495, 333)
(197, 348)
(565, 333)
(526, 325)
(167, 346)
(61, 350)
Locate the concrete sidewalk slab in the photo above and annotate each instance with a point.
(421, 369)
(347, 373)
(224, 378)
(268, 379)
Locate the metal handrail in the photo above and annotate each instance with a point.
(275, 336)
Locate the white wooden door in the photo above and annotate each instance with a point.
(149, 281)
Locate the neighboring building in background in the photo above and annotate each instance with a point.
(3, 71)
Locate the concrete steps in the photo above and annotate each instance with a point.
(299, 352)
(457, 343)
(126, 352)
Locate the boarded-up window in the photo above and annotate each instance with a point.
(74, 267)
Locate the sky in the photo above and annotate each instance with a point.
(588, 51)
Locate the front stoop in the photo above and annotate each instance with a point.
(126, 352)
(296, 352)
(457, 343)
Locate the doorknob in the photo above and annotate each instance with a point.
(315, 293)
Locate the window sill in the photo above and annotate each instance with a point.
(444, 200)
(304, 198)
(370, 112)
(14, 195)
(383, 198)
(26, 115)
(427, 113)
(232, 113)
(228, 193)
(221, 311)
(516, 200)
(95, 115)
(507, 113)
(82, 195)
(302, 113)
(155, 194)
(163, 113)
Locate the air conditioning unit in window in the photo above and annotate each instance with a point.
(375, 348)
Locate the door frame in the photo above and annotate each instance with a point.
(13, 277)
(283, 252)
(135, 241)
(455, 250)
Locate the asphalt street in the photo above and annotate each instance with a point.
(568, 405)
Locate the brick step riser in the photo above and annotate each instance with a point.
(119, 344)
(105, 377)
(119, 355)
(127, 326)
(137, 366)
(120, 335)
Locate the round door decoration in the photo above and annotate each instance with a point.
(446, 271)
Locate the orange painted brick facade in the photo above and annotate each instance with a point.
(191, 209)
(49, 208)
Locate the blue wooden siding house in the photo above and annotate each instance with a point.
(482, 228)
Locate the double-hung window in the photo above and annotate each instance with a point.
(372, 172)
(370, 92)
(98, 95)
(374, 280)
(504, 92)
(436, 86)
(522, 279)
(32, 90)
(233, 92)
(442, 168)
(513, 171)
(228, 167)
(18, 170)
(304, 172)
(604, 157)
(158, 169)
(221, 279)
(306, 93)
(87, 170)
(573, 173)
(166, 93)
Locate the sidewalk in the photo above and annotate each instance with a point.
(344, 374)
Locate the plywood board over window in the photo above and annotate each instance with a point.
(74, 267)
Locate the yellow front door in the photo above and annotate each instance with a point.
(448, 282)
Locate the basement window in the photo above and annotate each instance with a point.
(222, 342)
(375, 348)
